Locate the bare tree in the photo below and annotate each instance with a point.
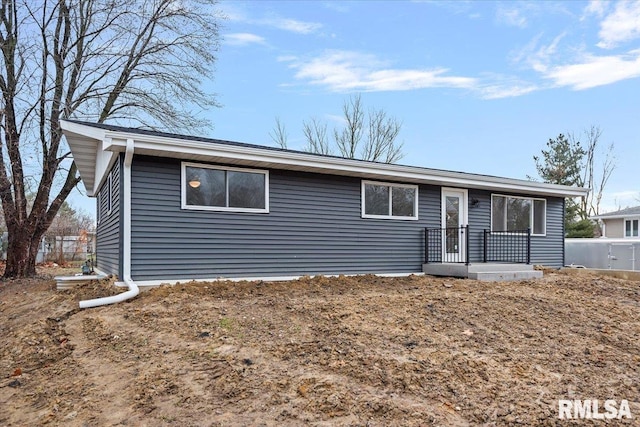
(348, 139)
(377, 144)
(279, 134)
(68, 223)
(381, 145)
(315, 133)
(139, 61)
(595, 176)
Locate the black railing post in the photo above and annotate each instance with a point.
(528, 245)
(484, 246)
(426, 246)
(466, 244)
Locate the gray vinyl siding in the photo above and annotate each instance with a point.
(479, 220)
(314, 226)
(549, 250)
(109, 229)
(545, 250)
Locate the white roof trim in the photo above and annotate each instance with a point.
(605, 217)
(162, 146)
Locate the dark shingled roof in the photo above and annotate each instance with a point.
(150, 132)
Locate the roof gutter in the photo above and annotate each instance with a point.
(126, 241)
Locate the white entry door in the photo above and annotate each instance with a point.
(454, 217)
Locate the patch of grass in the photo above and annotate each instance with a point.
(226, 323)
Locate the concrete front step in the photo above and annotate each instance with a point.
(503, 276)
(484, 272)
(498, 267)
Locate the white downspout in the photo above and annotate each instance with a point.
(126, 240)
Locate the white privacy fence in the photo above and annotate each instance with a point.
(613, 254)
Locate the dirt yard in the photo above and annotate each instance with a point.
(363, 351)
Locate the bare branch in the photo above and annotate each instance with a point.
(349, 138)
(380, 144)
(279, 134)
(608, 166)
(315, 133)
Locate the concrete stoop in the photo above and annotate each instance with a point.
(503, 276)
(68, 282)
(489, 272)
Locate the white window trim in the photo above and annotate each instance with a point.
(530, 215)
(392, 217)
(183, 188)
(624, 228)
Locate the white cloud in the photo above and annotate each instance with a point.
(539, 57)
(565, 66)
(243, 39)
(523, 14)
(340, 7)
(506, 90)
(620, 26)
(596, 7)
(233, 13)
(342, 71)
(593, 71)
(511, 16)
(345, 71)
(292, 25)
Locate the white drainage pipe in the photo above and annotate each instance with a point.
(126, 241)
(132, 292)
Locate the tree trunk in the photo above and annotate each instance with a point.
(61, 259)
(21, 254)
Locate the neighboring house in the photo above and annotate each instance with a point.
(175, 208)
(617, 249)
(624, 223)
(68, 248)
(73, 247)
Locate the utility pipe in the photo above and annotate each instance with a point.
(126, 241)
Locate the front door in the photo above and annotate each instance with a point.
(454, 218)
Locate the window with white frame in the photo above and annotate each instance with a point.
(513, 213)
(631, 227)
(389, 201)
(219, 188)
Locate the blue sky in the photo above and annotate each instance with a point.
(479, 86)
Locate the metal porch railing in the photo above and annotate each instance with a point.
(507, 246)
(449, 244)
